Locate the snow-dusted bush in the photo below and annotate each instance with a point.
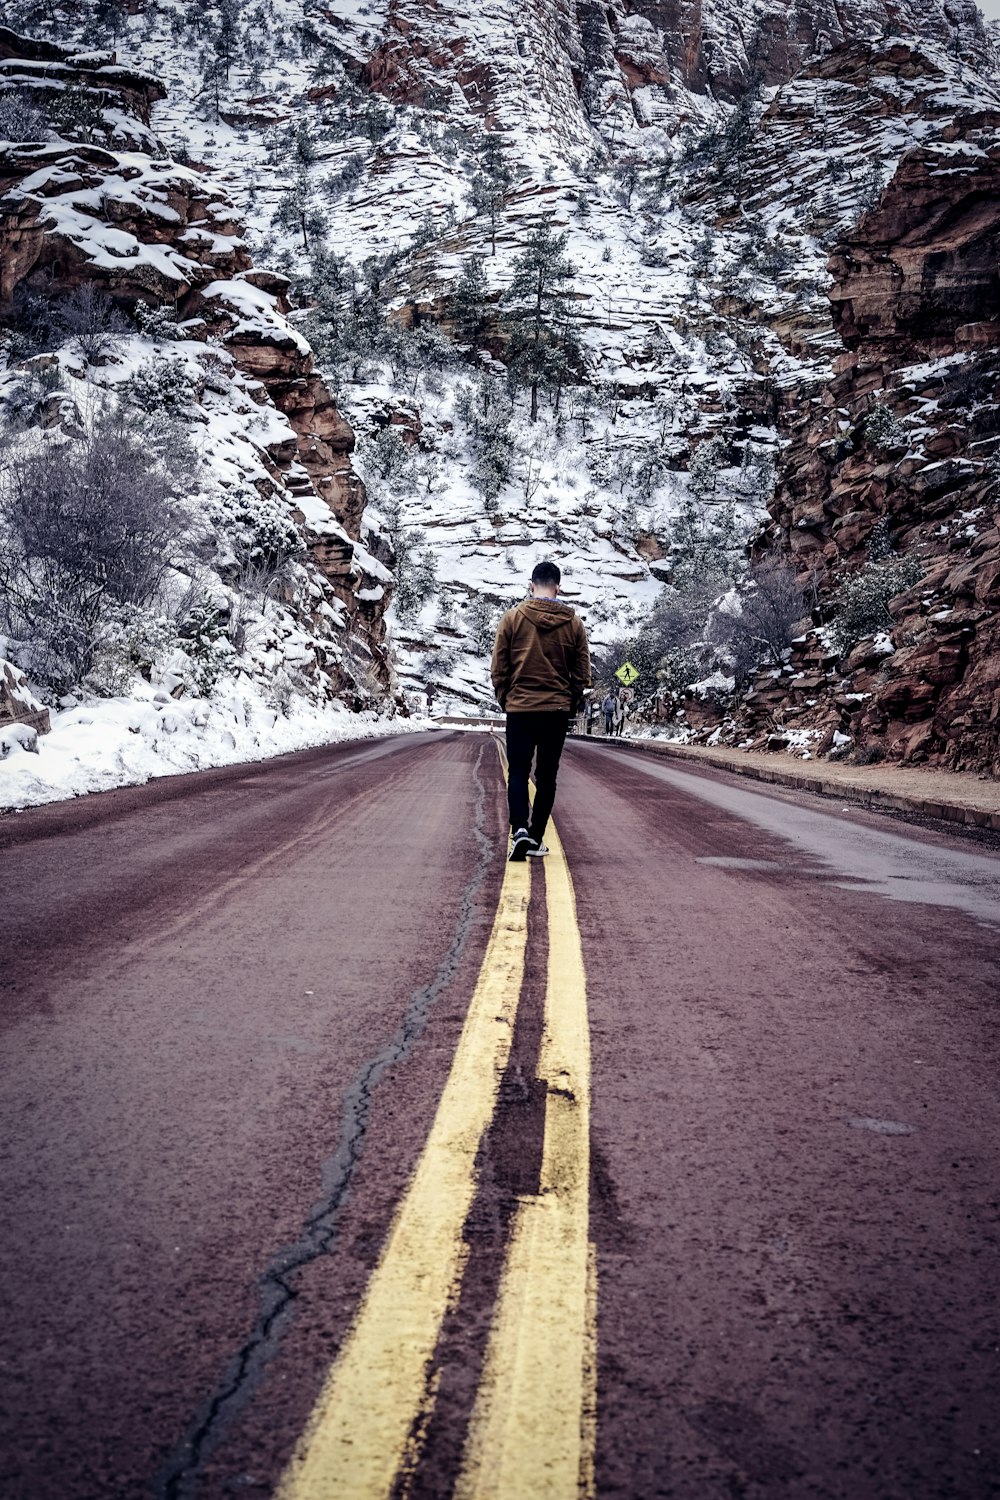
(24, 396)
(440, 663)
(481, 620)
(389, 457)
(416, 565)
(707, 461)
(706, 544)
(416, 578)
(872, 185)
(20, 119)
(263, 543)
(88, 527)
(134, 639)
(161, 385)
(757, 478)
(347, 176)
(883, 429)
(678, 669)
(157, 323)
(78, 113)
(202, 634)
(862, 602)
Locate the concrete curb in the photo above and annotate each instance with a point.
(866, 796)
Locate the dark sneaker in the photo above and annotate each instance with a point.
(521, 845)
(539, 851)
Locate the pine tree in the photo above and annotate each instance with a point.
(704, 544)
(703, 470)
(491, 184)
(469, 302)
(294, 211)
(304, 147)
(213, 78)
(109, 16)
(227, 36)
(542, 340)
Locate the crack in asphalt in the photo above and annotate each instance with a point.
(178, 1477)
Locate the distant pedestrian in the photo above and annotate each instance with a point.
(540, 670)
(590, 715)
(618, 722)
(608, 710)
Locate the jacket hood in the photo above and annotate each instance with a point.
(547, 614)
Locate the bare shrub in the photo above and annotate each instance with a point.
(762, 624)
(670, 646)
(254, 582)
(868, 755)
(21, 119)
(88, 528)
(87, 318)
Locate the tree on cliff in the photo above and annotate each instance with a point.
(295, 210)
(213, 80)
(543, 346)
(705, 544)
(491, 184)
(487, 413)
(469, 302)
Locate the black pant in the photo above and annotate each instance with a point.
(541, 735)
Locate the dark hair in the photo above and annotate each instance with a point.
(545, 573)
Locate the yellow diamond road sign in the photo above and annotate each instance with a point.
(627, 674)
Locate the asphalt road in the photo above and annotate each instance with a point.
(691, 1191)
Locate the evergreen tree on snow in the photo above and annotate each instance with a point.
(703, 471)
(296, 211)
(491, 184)
(543, 343)
(469, 302)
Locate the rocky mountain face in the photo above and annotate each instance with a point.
(160, 240)
(779, 222)
(718, 48)
(640, 57)
(915, 300)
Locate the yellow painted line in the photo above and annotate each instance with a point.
(533, 1427)
(364, 1430)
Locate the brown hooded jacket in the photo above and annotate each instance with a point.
(541, 661)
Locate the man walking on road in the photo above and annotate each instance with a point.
(541, 670)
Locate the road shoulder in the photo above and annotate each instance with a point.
(949, 796)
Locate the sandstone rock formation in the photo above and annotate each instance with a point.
(630, 62)
(120, 215)
(916, 302)
(17, 703)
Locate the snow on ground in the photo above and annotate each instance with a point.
(113, 742)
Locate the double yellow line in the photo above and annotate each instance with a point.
(533, 1424)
